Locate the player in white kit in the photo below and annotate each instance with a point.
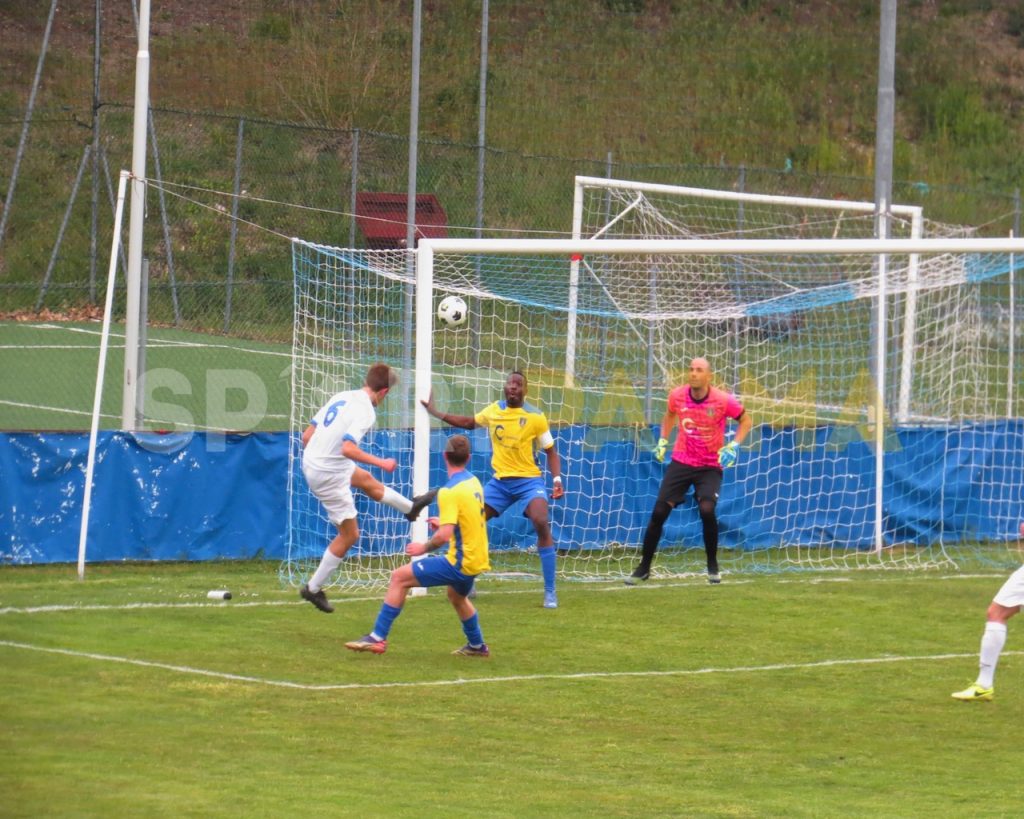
(330, 463)
(1004, 605)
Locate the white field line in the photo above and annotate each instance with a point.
(53, 409)
(150, 342)
(600, 587)
(197, 605)
(68, 411)
(583, 675)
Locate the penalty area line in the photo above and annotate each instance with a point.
(583, 675)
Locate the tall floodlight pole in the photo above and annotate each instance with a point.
(414, 125)
(481, 131)
(135, 224)
(421, 302)
(884, 139)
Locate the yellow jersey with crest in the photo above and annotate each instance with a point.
(460, 502)
(516, 434)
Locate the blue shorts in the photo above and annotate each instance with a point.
(501, 493)
(435, 570)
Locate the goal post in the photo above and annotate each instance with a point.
(606, 208)
(786, 325)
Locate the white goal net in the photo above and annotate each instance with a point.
(788, 326)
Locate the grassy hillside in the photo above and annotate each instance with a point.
(748, 81)
(774, 96)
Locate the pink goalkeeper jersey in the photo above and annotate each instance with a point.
(701, 424)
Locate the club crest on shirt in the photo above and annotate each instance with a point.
(522, 422)
(710, 412)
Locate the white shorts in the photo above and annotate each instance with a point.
(1011, 594)
(334, 490)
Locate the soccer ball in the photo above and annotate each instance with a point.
(452, 311)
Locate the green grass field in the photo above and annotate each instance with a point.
(195, 380)
(129, 693)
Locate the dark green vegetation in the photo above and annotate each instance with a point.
(766, 95)
(654, 81)
(785, 696)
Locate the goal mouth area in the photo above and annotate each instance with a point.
(860, 440)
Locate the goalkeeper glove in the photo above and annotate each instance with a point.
(728, 454)
(660, 450)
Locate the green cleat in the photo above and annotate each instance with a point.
(974, 692)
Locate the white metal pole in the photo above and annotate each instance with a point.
(574, 289)
(909, 324)
(90, 461)
(1012, 338)
(410, 203)
(721, 247)
(424, 357)
(879, 406)
(136, 222)
(421, 418)
(884, 143)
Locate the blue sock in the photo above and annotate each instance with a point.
(385, 619)
(547, 567)
(471, 628)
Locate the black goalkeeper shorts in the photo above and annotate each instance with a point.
(705, 480)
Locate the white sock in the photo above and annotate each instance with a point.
(396, 501)
(328, 563)
(992, 642)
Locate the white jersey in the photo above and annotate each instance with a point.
(347, 416)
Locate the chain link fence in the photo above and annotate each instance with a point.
(226, 193)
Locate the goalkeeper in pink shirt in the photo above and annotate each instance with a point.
(698, 457)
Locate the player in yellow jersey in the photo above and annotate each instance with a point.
(461, 525)
(517, 430)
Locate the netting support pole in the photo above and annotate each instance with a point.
(411, 297)
(909, 323)
(108, 308)
(136, 221)
(574, 289)
(234, 223)
(481, 161)
(424, 262)
(63, 227)
(884, 144)
(353, 189)
(96, 102)
(1012, 339)
(9, 199)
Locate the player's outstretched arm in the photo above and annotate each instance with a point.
(352, 451)
(460, 421)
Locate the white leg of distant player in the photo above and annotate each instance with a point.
(992, 642)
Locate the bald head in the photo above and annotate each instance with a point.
(700, 377)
